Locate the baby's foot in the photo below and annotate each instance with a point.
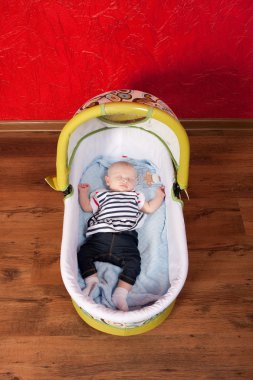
(119, 298)
(90, 282)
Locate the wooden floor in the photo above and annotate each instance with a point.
(209, 333)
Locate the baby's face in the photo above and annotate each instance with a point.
(121, 178)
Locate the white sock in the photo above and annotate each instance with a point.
(119, 298)
(90, 282)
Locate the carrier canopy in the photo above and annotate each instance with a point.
(123, 108)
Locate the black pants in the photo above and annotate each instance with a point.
(118, 248)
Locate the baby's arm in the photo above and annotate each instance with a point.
(152, 205)
(84, 197)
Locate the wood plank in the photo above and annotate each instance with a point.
(89, 360)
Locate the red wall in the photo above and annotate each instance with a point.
(196, 55)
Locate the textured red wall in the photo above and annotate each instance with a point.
(196, 55)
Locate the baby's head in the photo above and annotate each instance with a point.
(121, 176)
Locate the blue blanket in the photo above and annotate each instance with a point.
(153, 280)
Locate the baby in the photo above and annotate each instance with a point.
(111, 235)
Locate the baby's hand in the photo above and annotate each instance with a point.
(84, 187)
(160, 192)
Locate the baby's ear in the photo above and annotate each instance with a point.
(106, 179)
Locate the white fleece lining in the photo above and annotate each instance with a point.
(136, 144)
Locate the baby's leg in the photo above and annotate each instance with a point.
(86, 258)
(131, 264)
(120, 295)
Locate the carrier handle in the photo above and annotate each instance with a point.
(60, 181)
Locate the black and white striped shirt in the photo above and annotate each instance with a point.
(115, 211)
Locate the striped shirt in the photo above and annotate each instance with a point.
(115, 211)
